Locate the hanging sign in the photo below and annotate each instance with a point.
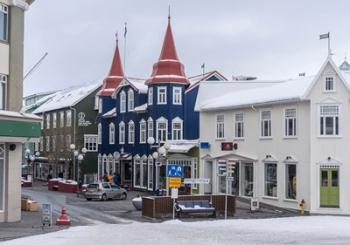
(196, 181)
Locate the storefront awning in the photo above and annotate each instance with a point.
(182, 146)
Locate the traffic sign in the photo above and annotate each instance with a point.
(174, 182)
(46, 216)
(196, 181)
(175, 171)
(174, 193)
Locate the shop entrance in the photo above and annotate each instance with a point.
(329, 187)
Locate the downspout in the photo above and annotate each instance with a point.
(76, 147)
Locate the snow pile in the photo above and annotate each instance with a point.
(296, 230)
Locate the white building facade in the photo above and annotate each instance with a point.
(287, 140)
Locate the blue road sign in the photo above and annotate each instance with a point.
(175, 171)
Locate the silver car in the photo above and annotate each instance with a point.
(104, 191)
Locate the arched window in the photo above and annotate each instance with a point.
(162, 129)
(131, 100)
(143, 133)
(121, 133)
(131, 133)
(111, 133)
(122, 102)
(176, 126)
(150, 127)
(99, 133)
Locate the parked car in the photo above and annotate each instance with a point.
(104, 191)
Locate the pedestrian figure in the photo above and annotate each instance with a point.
(116, 179)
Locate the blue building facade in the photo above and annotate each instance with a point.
(134, 111)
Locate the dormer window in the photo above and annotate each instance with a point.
(329, 84)
(131, 99)
(122, 102)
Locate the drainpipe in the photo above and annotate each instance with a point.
(76, 147)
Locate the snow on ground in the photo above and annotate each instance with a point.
(294, 230)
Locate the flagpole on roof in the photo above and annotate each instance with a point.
(324, 36)
(124, 58)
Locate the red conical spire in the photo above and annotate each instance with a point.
(168, 69)
(115, 75)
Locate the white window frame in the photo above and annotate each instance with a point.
(159, 121)
(286, 180)
(177, 96)
(4, 9)
(137, 161)
(162, 97)
(174, 131)
(150, 127)
(290, 119)
(90, 142)
(53, 142)
(150, 96)
(47, 143)
(111, 133)
(336, 119)
(68, 118)
(262, 122)
(131, 100)
(325, 87)
(239, 124)
(265, 180)
(131, 132)
(97, 103)
(220, 126)
(99, 134)
(143, 131)
(61, 119)
(68, 139)
(42, 121)
(41, 144)
(122, 133)
(54, 120)
(3, 91)
(122, 102)
(47, 120)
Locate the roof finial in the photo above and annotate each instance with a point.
(116, 37)
(345, 56)
(169, 14)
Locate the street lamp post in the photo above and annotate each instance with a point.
(80, 157)
(30, 161)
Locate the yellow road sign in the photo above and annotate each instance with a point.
(174, 182)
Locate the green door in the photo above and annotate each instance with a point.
(329, 193)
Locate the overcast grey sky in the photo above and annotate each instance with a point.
(268, 39)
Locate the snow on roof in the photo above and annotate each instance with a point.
(37, 103)
(141, 108)
(196, 80)
(293, 89)
(213, 90)
(67, 97)
(19, 115)
(111, 113)
(139, 84)
(182, 146)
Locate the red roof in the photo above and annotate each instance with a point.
(168, 68)
(115, 75)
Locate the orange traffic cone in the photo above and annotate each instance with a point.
(63, 219)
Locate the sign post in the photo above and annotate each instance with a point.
(174, 196)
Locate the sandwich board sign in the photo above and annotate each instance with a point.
(46, 215)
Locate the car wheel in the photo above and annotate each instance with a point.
(104, 197)
(123, 196)
(89, 199)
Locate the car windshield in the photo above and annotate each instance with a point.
(92, 186)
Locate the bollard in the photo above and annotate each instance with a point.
(302, 207)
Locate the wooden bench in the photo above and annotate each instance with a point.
(194, 207)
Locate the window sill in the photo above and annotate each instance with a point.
(111, 143)
(271, 198)
(290, 200)
(329, 91)
(142, 142)
(290, 137)
(329, 137)
(161, 103)
(266, 138)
